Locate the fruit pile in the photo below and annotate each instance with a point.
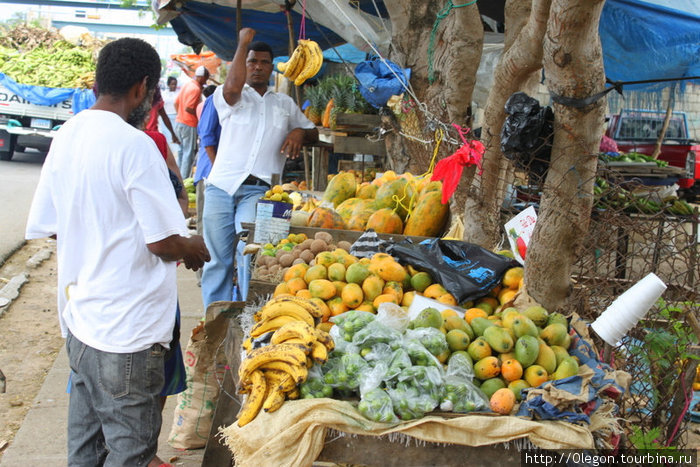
(277, 193)
(390, 204)
(274, 260)
(271, 373)
(610, 196)
(191, 191)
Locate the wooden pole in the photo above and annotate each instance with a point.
(667, 120)
(292, 46)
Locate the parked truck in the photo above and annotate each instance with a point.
(26, 125)
(638, 131)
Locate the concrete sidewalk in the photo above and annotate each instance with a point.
(42, 438)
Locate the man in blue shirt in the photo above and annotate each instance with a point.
(209, 131)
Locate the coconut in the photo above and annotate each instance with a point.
(286, 260)
(344, 245)
(307, 256)
(325, 236)
(318, 246)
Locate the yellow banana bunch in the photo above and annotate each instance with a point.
(316, 342)
(310, 205)
(305, 62)
(289, 305)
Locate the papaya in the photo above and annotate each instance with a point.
(386, 221)
(325, 218)
(367, 191)
(435, 185)
(346, 208)
(341, 187)
(360, 215)
(428, 217)
(396, 194)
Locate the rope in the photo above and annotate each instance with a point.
(431, 45)
(302, 23)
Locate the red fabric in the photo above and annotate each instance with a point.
(152, 123)
(161, 142)
(449, 169)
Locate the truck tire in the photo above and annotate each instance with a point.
(8, 149)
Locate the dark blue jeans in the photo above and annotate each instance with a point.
(114, 413)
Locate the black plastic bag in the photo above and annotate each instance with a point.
(527, 133)
(466, 270)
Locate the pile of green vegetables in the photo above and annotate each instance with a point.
(52, 63)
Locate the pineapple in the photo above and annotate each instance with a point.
(342, 96)
(317, 101)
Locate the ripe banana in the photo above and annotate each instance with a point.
(314, 309)
(313, 62)
(319, 353)
(298, 372)
(270, 325)
(324, 338)
(295, 330)
(247, 345)
(295, 63)
(255, 399)
(286, 308)
(290, 354)
(274, 400)
(296, 340)
(293, 395)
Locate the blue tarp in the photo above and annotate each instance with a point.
(215, 25)
(654, 39)
(39, 95)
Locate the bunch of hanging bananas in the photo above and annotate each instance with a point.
(305, 62)
(271, 374)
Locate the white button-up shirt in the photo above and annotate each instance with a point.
(252, 133)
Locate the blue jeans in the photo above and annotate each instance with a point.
(221, 220)
(114, 413)
(188, 147)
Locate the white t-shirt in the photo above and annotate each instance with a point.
(169, 100)
(252, 133)
(105, 192)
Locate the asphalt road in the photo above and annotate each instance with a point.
(18, 179)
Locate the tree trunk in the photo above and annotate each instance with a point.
(515, 70)
(573, 63)
(457, 51)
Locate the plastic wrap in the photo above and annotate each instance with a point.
(419, 355)
(432, 339)
(315, 386)
(351, 322)
(461, 395)
(344, 373)
(393, 316)
(418, 390)
(377, 405)
(375, 332)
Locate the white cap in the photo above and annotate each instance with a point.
(201, 71)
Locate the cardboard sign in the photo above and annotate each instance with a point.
(519, 231)
(272, 221)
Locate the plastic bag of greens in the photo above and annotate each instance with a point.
(431, 338)
(461, 395)
(315, 386)
(344, 372)
(373, 377)
(393, 316)
(380, 352)
(375, 332)
(428, 380)
(400, 360)
(417, 391)
(350, 322)
(376, 405)
(419, 354)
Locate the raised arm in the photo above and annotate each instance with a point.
(236, 77)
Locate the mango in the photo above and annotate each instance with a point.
(527, 348)
(408, 298)
(428, 318)
(457, 340)
(537, 314)
(455, 322)
(522, 325)
(372, 287)
(555, 334)
(508, 315)
(535, 375)
(567, 367)
(492, 385)
(394, 288)
(352, 295)
(560, 353)
(557, 318)
(464, 353)
(420, 281)
(336, 272)
(487, 368)
(315, 272)
(498, 339)
(434, 291)
(322, 288)
(517, 386)
(479, 325)
(546, 358)
(479, 349)
(356, 273)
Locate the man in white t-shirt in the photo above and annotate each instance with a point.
(105, 194)
(259, 130)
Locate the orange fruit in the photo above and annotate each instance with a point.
(472, 313)
(512, 277)
(502, 401)
(295, 284)
(511, 370)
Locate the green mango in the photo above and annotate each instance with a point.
(546, 358)
(524, 326)
(557, 318)
(492, 385)
(560, 352)
(479, 325)
(527, 349)
(568, 367)
(537, 314)
(498, 339)
(555, 334)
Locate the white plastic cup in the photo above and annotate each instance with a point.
(626, 311)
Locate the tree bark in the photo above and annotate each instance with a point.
(573, 63)
(515, 70)
(457, 51)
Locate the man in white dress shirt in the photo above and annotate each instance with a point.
(259, 130)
